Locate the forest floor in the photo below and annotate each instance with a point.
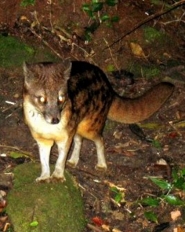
(146, 46)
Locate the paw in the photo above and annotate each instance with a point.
(71, 164)
(43, 179)
(57, 176)
(101, 167)
(57, 179)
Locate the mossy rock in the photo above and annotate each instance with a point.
(41, 207)
(13, 52)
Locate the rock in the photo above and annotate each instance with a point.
(44, 207)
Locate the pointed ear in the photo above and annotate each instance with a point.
(68, 67)
(25, 69)
(28, 74)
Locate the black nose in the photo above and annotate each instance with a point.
(54, 121)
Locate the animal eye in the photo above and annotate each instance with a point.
(61, 98)
(42, 99)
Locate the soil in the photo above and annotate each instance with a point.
(131, 157)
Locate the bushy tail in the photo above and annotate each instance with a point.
(126, 110)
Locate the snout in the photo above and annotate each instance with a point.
(52, 117)
(55, 120)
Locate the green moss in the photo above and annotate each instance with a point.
(151, 72)
(146, 71)
(44, 207)
(151, 34)
(26, 3)
(14, 52)
(160, 3)
(110, 68)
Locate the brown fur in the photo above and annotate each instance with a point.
(126, 110)
(73, 100)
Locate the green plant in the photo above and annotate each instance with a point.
(95, 10)
(169, 192)
(26, 3)
(118, 194)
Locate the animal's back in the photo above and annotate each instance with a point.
(91, 95)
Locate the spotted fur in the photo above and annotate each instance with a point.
(72, 100)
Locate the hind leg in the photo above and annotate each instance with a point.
(99, 142)
(91, 129)
(73, 161)
(101, 164)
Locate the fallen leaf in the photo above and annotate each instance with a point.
(175, 214)
(179, 124)
(167, 55)
(178, 229)
(34, 224)
(116, 230)
(98, 221)
(118, 134)
(2, 193)
(173, 134)
(180, 114)
(161, 162)
(105, 227)
(137, 50)
(24, 18)
(119, 196)
(152, 126)
(110, 184)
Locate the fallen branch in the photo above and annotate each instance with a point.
(17, 149)
(148, 19)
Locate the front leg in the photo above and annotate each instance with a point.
(44, 152)
(63, 149)
(73, 161)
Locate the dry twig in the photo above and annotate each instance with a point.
(148, 19)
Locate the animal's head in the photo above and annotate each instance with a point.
(45, 86)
